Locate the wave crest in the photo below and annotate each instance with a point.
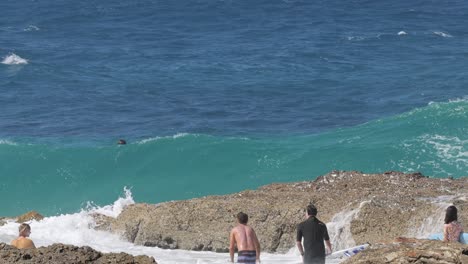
(7, 142)
(31, 28)
(443, 34)
(148, 140)
(14, 59)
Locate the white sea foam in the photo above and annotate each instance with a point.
(340, 228)
(31, 28)
(356, 38)
(178, 135)
(14, 59)
(449, 149)
(460, 99)
(402, 33)
(434, 220)
(7, 142)
(442, 34)
(114, 209)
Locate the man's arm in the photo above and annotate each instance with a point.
(257, 245)
(326, 237)
(232, 244)
(299, 246)
(329, 246)
(299, 241)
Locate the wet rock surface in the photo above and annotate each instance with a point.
(375, 207)
(32, 215)
(60, 254)
(404, 251)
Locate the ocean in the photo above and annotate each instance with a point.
(219, 96)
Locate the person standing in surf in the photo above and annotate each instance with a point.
(244, 237)
(23, 242)
(314, 233)
(453, 230)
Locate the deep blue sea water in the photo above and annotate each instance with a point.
(219, 96)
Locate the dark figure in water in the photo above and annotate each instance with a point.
(314, 233)
(122, 142)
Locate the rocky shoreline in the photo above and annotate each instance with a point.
(364, 207)
(404, 250)
(358, 208)
(59, 254)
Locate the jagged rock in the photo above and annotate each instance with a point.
(387, 205)
(59, 254)
(32, 215)
(404, 251)
(102, 222)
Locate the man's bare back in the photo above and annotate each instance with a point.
(245, 237)
(23, 243)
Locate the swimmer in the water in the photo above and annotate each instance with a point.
(122, 142)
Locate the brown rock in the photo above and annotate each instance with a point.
(387, 205)
(102, 222)
(412, 251)
(32, 215)
(59, 254)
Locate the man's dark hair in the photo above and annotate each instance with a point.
(243, 218)
(311, 210)
(451, 214)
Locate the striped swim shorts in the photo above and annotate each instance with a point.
(247, 256)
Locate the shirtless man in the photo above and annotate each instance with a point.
(23, 242)
(246, 240)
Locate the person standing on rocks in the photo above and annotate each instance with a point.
(314, 233)
(244, 237)
(23, 242)
(453, 230)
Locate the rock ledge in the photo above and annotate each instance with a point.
(60, 253)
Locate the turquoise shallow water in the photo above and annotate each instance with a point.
(58, 178)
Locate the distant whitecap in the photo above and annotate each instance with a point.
(31, 28)
(14, 59)
(442, 34)
(402, 33)
(178, 135)
(7, 142)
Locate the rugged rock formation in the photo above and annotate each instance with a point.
(59, 254)
(408, 251)
(378, 206)
(32, 215)
(102, 222)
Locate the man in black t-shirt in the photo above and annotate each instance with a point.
(314, 233)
